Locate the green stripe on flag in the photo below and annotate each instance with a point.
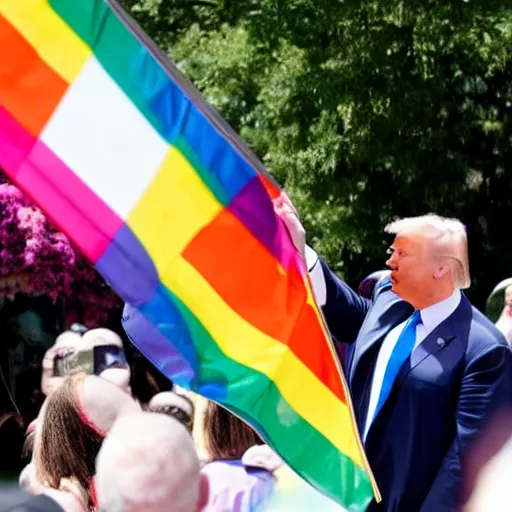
(124, 58)
(255, 398)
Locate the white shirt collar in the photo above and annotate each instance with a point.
(433, 315)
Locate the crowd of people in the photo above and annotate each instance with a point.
(428, 374)
(94, 446)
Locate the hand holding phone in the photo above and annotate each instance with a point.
(49, 380)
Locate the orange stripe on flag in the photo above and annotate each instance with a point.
(256, 296)
(29, 89)
(272, 190)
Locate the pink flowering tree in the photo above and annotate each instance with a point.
(37, 259)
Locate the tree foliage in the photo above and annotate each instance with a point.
(363, 111)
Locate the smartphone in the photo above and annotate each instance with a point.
(91, 361)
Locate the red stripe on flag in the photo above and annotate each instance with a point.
(272, 189)
(251, 281)
(67, 200)
(29, 89)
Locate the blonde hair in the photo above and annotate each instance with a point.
(449, 241)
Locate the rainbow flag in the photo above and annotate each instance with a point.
(122, 153)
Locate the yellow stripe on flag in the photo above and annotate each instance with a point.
(175, 207)
(54, 41)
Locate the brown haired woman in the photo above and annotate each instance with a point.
(73, 423)
(235, 482)
(226, 437)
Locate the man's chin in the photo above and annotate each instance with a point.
(399, 291)
(395, 287)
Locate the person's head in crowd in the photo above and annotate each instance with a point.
(508, 298)
(504, 323)
(96, 351)
(239, 468)
(428, 259)
(148, 463)
(72, 425)
(175, 405)
(226, 436)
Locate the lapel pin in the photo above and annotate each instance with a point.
(441, 342)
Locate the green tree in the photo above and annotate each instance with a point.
(364, 111)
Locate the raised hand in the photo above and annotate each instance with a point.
(285, 209)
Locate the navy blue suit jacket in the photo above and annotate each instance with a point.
(456, 379)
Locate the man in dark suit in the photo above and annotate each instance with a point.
(426, 369)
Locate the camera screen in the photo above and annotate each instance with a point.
(91, 361)
(108, 356)
(80, 361)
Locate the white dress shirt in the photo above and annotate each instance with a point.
(431, 317)
(316, 275)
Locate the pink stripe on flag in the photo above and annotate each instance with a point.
(67, 200)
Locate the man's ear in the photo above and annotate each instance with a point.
(204, 492)
(442, 270)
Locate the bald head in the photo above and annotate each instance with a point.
(103, 402)
(70, 339)
(148, 462)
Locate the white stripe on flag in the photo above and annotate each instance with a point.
(102, 136)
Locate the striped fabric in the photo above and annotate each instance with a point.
(157, 191)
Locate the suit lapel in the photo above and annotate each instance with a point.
(446, 332)
(440, 338)
(436, 341)
(386, 314)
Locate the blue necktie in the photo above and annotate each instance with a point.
(402, 351)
